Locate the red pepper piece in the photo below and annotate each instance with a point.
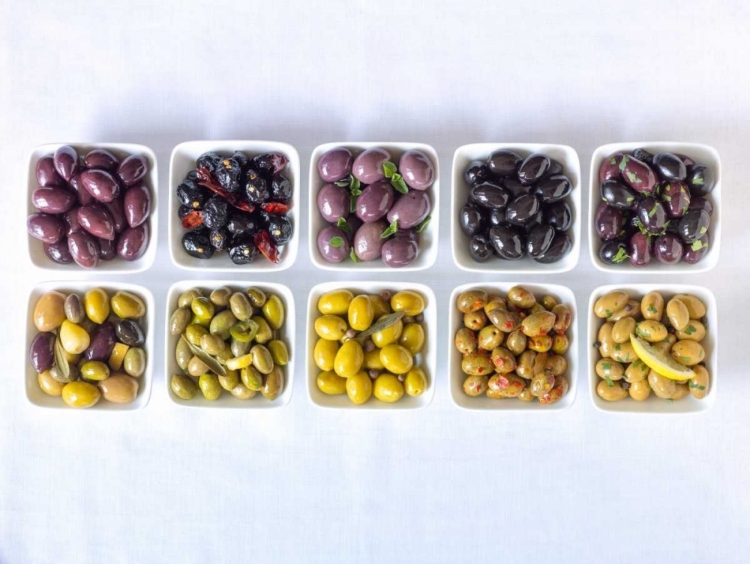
(205, 179)
(192, 220)
(275, 207)
(266, 246)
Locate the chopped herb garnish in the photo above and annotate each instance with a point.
(620, 256)
(609, 381)
(695, 386)
(353, 256)
(392, 228)
(336, 242)
(423, 224)
(690, 329)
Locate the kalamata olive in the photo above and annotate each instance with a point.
(693, 225)
(335, 164)
(70, 218)
(480, 248)
(137, 204)
(533, 168)
(539, 239)
(375, 201)
(471, 220)
(416, 169)
(514, 187)
(368, 243)
(522, 209)
(103, 341)
(66, 162)
(669, 167)
(676, 198)
(47, 228)
(100, 184)
(52, 200)
(639, 249)
(129, 332)
(58, 252)
(610, 168)
(536, 220)
(477, 172)
(668, 248)
(41, 352)
(559, 215)
(368, 166)
(552, 189)
(700, 180)
(618, 195)
(133, 242)
(652, 214)
(398, 253)
(410, 209)
(46, 174)
(638, 175)
(495, 217)
(83, 195)
(84, 249)
(701, 203)
(407, 235)
(117, 211)
(687, 161)
(608, 222)
(335, 251)
(695, 251)
(555, 168)
(489, 195)
(504, 162)
(644, 156)
(613, 252)
(559, 247)
(632, 225)
(333, 202)
(507, 242)
(101, 158)
(132, 169)
(107, 249)
(95, 219)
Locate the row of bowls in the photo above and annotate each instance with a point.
(184, 156)
(429, 354)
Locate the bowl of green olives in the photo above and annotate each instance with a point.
(89, 345)
(513, 347)
(371, 345)
(229, 345)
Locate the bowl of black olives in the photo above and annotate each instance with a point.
(234, 205)
(655, 207)
(515, 207)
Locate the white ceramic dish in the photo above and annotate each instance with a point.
(37, 397)
(701, 154)
(427, 359)
(565, 296)
(183, 161)
(226, 400)
(428, 239)
(117, 265)
(459, 193)
(653, 404)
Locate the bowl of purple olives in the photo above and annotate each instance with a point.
(92, 206)
(234, 205)
(374, 206)
(516, 208)
(655, 207)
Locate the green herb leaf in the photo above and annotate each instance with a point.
(606, 366)
(690, 329)
(617, 347)
(389, 169)
(695, 386)
(653, 211)
(620, 256)
(651, 309)
(612, 160)
(392, 228)
(354, 183)
(624, 162)
(630, 199)
(398, 183)
(608, 313)
(353, 256)
(697, 180)
(343, 183)
(684, 359)
(213, 364)
(353, 204)
(703, 230)
(380, 325)
(423, 224)
(609, 381)
(336, 242)
(667, 198)
(343, 225)
(356, 192)
(698, 245)
(631, 176)
(60, 359)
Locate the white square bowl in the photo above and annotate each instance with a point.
(287, 334)
(37, 397)
(701, 154)
(116, 265)
(428, 239)
(183, 160)
(564, 295)
(566, 155)
(427, 359)
(653, 404)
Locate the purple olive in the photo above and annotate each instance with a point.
(368, 243)
(489, 195)
(41, 352)
(471, 220)
(410, 209)
(47, 228)
(133, 242)
(368, 166)
(102, 159)
(552, 189)
(610, 168)
(618, 195)
(375, 201)
(533, 168)
(614, 252)
(652, 215)
(333, 244)
(559, 215)
(58, 252)
(96, 220)
(83, 195)
(701, 203)
(608, 222)
(66, 162)
(559, 247)
(71, 221)
(639, 249)
(504, 162)
(539, 240)
(100, 184)
(407, 235)
(84, 249)
(333, 202)
(137, 204)
(46, 174)
(693, 225)
(695, 251)
(700, 180)
(416, 169)
(132, 169)
(508, 243)
(638, 175)
(676, 198)
(335, 164)
(117, 211)
(52, 200)
(522, 209)
(353, 223)
(668, 248)
(107, 249)
(103, 341)
(670, 167)
(398, 253)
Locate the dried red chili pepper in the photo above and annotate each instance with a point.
(192, 220)
(204, 179)
(266, 246)
(275, 207)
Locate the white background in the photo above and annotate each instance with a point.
(300, 484)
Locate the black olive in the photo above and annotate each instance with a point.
(504, 162)
(480, 248)
(477, 172)
(700, 181)
(192, 194)
(613, 252)
(256, 188)
(618, 195)
(558, 215)
(193, 175)
(668, 248)
(489, 195)
(555, 168)
(243, 250)
(552, 189)
(669, 167)
(507, 242)
(280, 229)
(652, 214)
(281, 189)
(216, 213)
(129, 332)
(495, 217)
(228, 173)
(695, 251)
(264, 164)
(701, 203)
(533, 168)
(471, 220)
(522, 209)
(219, 238)
(694, 225)
(539, 240)
(560, 247)
(514, 187)
(183, 210)
(644, 156)
(537, 219)
(241, 159)
(208, 161)
(197, 244)
(241, 223)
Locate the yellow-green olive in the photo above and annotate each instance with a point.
(662, 386)
(240, 306)
(330, 327)
(475, 385)
(74, 338)
(81, 394)
(256, 296)
(640, 390)
(630, 309)
(465, 341)
(696, 308)
(410, 302)
(241, 348)
(611, 391)
(331, 383)
(677, 313)
(388, 388)
(372, 360)
(94, 370)
(251, 378)
(650, 330)
(526, 395)
(699, 384)
(96, 304)
(119, 388)
(563, 318)
(549, 302)
(695, 331)
(541, 384)
(388, 335)
(279, 352)
(521, 297)
(412, 338)
(636, 371)
(212, 344)
(134, 363)
(179, 320)
(196, 367)
(396, 359)
(525, 368)
(262, 359)
(183, 386)
(49, 311)
(504, 320)
(663, 347)
(540, 344)
(361, 313)
(516, 342)
(624, 352)
(349, 359)
(380, 306)
(506, 385)
(222, 323)
(240, 391)
(202, 321)
(335, 302)
(187, 297)
(490, 337)
(127, 305)
(560, 344)
(220, 297)
(604, 338)
(536, 308)
(264, 333)
(225, 355)
(540, 362)
(608, 368)
(415, 382)
(652, 306)
(194, 333)
(471, 300)
(274, 312)
(359, 388)
(609, 303)
(229, 381)
(503, 360)
(324, 353)
(495, 302)
(538, 324)
(49, 385)
(688, 353)
(182, 354)
(475, 320)
(622, 329)
(556, 365)
(681, 390)
(209, 386)
(477, 364)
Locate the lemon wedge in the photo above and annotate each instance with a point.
(660, 363)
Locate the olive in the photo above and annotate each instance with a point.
(415, 382)
(662, 386)
(209, 386)
(132, 169)
(644, 155)
(230, 381)
(552, 189)
(514, 187)
(46, 174)
(559, 247)
(368, 166)
(699, 384)
(639, 249)
(650, 330)
(416, 169)
(471, 300)
(100, 184)
(475, 385)
(359, 388)
(480, 248)
(388, 388)
(134, 362)
(264, 333)
(695, 251)
(368, 240)
(279, 352)
(668, 248)
(504, 320)
(274, 311)
(533, 168)
(611, 391)
(66, 162)
(503, 360)
(475, 320)
(471, 219)
(676, 198)
(81, 394)
(669, 167)
(477, 364)
(505, 386)
(638, 175)
(49, 385)
(410, 302)
(183, 354)
(609, 222)
(477, 172)
(613, 252)
(94, 370)
(335, 164)
(119, 388)
(610, 167)
(522, 209)
(137, 205)
(489, 195)
(197, 244)
(652, 215)
(539, 239)
(331, 384)
(700, 203)
(693, 225)
(127, 305)
(133, 242)
(541, 383)
(398, 253)
(559, 215)
(504, 162)
(688, 352)
(489, 338)
(102, 343)
(74, 338)
(101, 158)
(41, 352)
(47, 228)
(507, 242)
(466, 341)
(618, 195)
(700, 180)
(335, 302)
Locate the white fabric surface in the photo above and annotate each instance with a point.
(300, 484)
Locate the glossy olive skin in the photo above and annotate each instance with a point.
(132, 169)
(644, 155)
(515, 187)
(700, 180)
(117, 211)
(507, 242)
(471, 220)
(552, 189)
(608, 222)
(47, 228)
(638, 175)
(137, 204)
(539, 240)
(84, 249)
(522, 209)
(651, 214)
(559, 247)
(52, 200)
(504, 162)
(695, 251)
(97, 221)
(480, 248)
(559, 215)
(130, 333)
(66, 162)
(41, 351)
(100, 184)
(639, 249)
(668, 249)
(46, 174)
(333, 202)
(331, 253)
(701, 203)
(103, 341)
(398, 253)
(58, 252)
(693, 225)
(416, 169)
(107, 249)
(489, 195)
(375, 201)
(368, 166)
(610, 168)
(368, 243)
(133, 242)
(410, 209)
(669, 167)
(335, 164)
(618, 195)
(101, 158)
(533, 168)
(676, 198)
(614, 252)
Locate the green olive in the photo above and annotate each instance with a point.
(96, 304)
(505, 385)
(650, 330)
(183, 386)
(179, 320)
(134, 363)
(324, 354)
(630, 309)
(74, 338)
(273, 383)
(372, 360)
(516, 342)
(540, 362)
(412, 338)
(240, 391)
(662, 386)
(521, 297)
(388, 388)
(622, 330)
(256, 296)
(240, 306)
(337, 302)
(563, 318)
(542, 383)
(652, 306)
(209, 386)
(264, 333)
(119, 388)
(677, 313)
(194, 333)
(475, 320)
(182, 354)
(681, 390)
(229, 381)
(388, 335)
(640, 390)
(330, 327)
(536, 308)
(688, 353)
(504, 320)
(608, 368)
(49, 311)
(203, 308)
(636, 371)
(361, 313)
(495, 302)
(202, 321)
(549, 302)
(560, 344)
(379, 305)
(604, 338)
(187, 297)
(538, 324)
(696, 308)
(94, 370)
(699, 384)
(609, 303)
(489, 337)
(525, 368)
(526, 394)
(274, 312)
(279, 352)
(556, 365)
(73, 308)
(81, 394)
(196, 367)
(477, 364)
(252, 378)
(359, 388)
(472, 300)
(465, 341)
(503, 360)
(624, 353)
(540, 344)
(396, 359)
(50, 385)
(695, 331)
(212, 344)
(240, 348)
(663, 347)
(330, 383)
(475, 385)
(611, 391)
(415, 382)
(222, 323)
(410, 302)
(220, 297)
(127, 305)
(262, 359)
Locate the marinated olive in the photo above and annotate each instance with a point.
(503, 360)
(606, 368)
(80, 394)
(74, 338)
(688, 352)
(273, 311)
(415, 382)
(640, 390)
(119, 388)
(606, 305)
(359, 388)
(335, 302)
(330, 327)
(699, 384)
(650, 330)
(516, 342)
(611, 391)
(477, 364)
(505, 385)
(696, 308)
(622, 329)
(49, 385)
(475, 385)
(663, 387)
(677, 313)
(475, 320)
(694, 331)
(466, 341)
(471, 301)
(490, 337)
(209, 386)
(331, 384)
(127, 305)
(388, 388)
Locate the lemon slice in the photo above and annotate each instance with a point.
(660, 363)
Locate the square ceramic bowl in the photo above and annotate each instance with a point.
(428, 239)
(117, 265)
(226, 400)
(37, 397)
(427, 359)
(701, 154)
(564, 295)
(459, 194)
(183, 160)
(653, 404)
